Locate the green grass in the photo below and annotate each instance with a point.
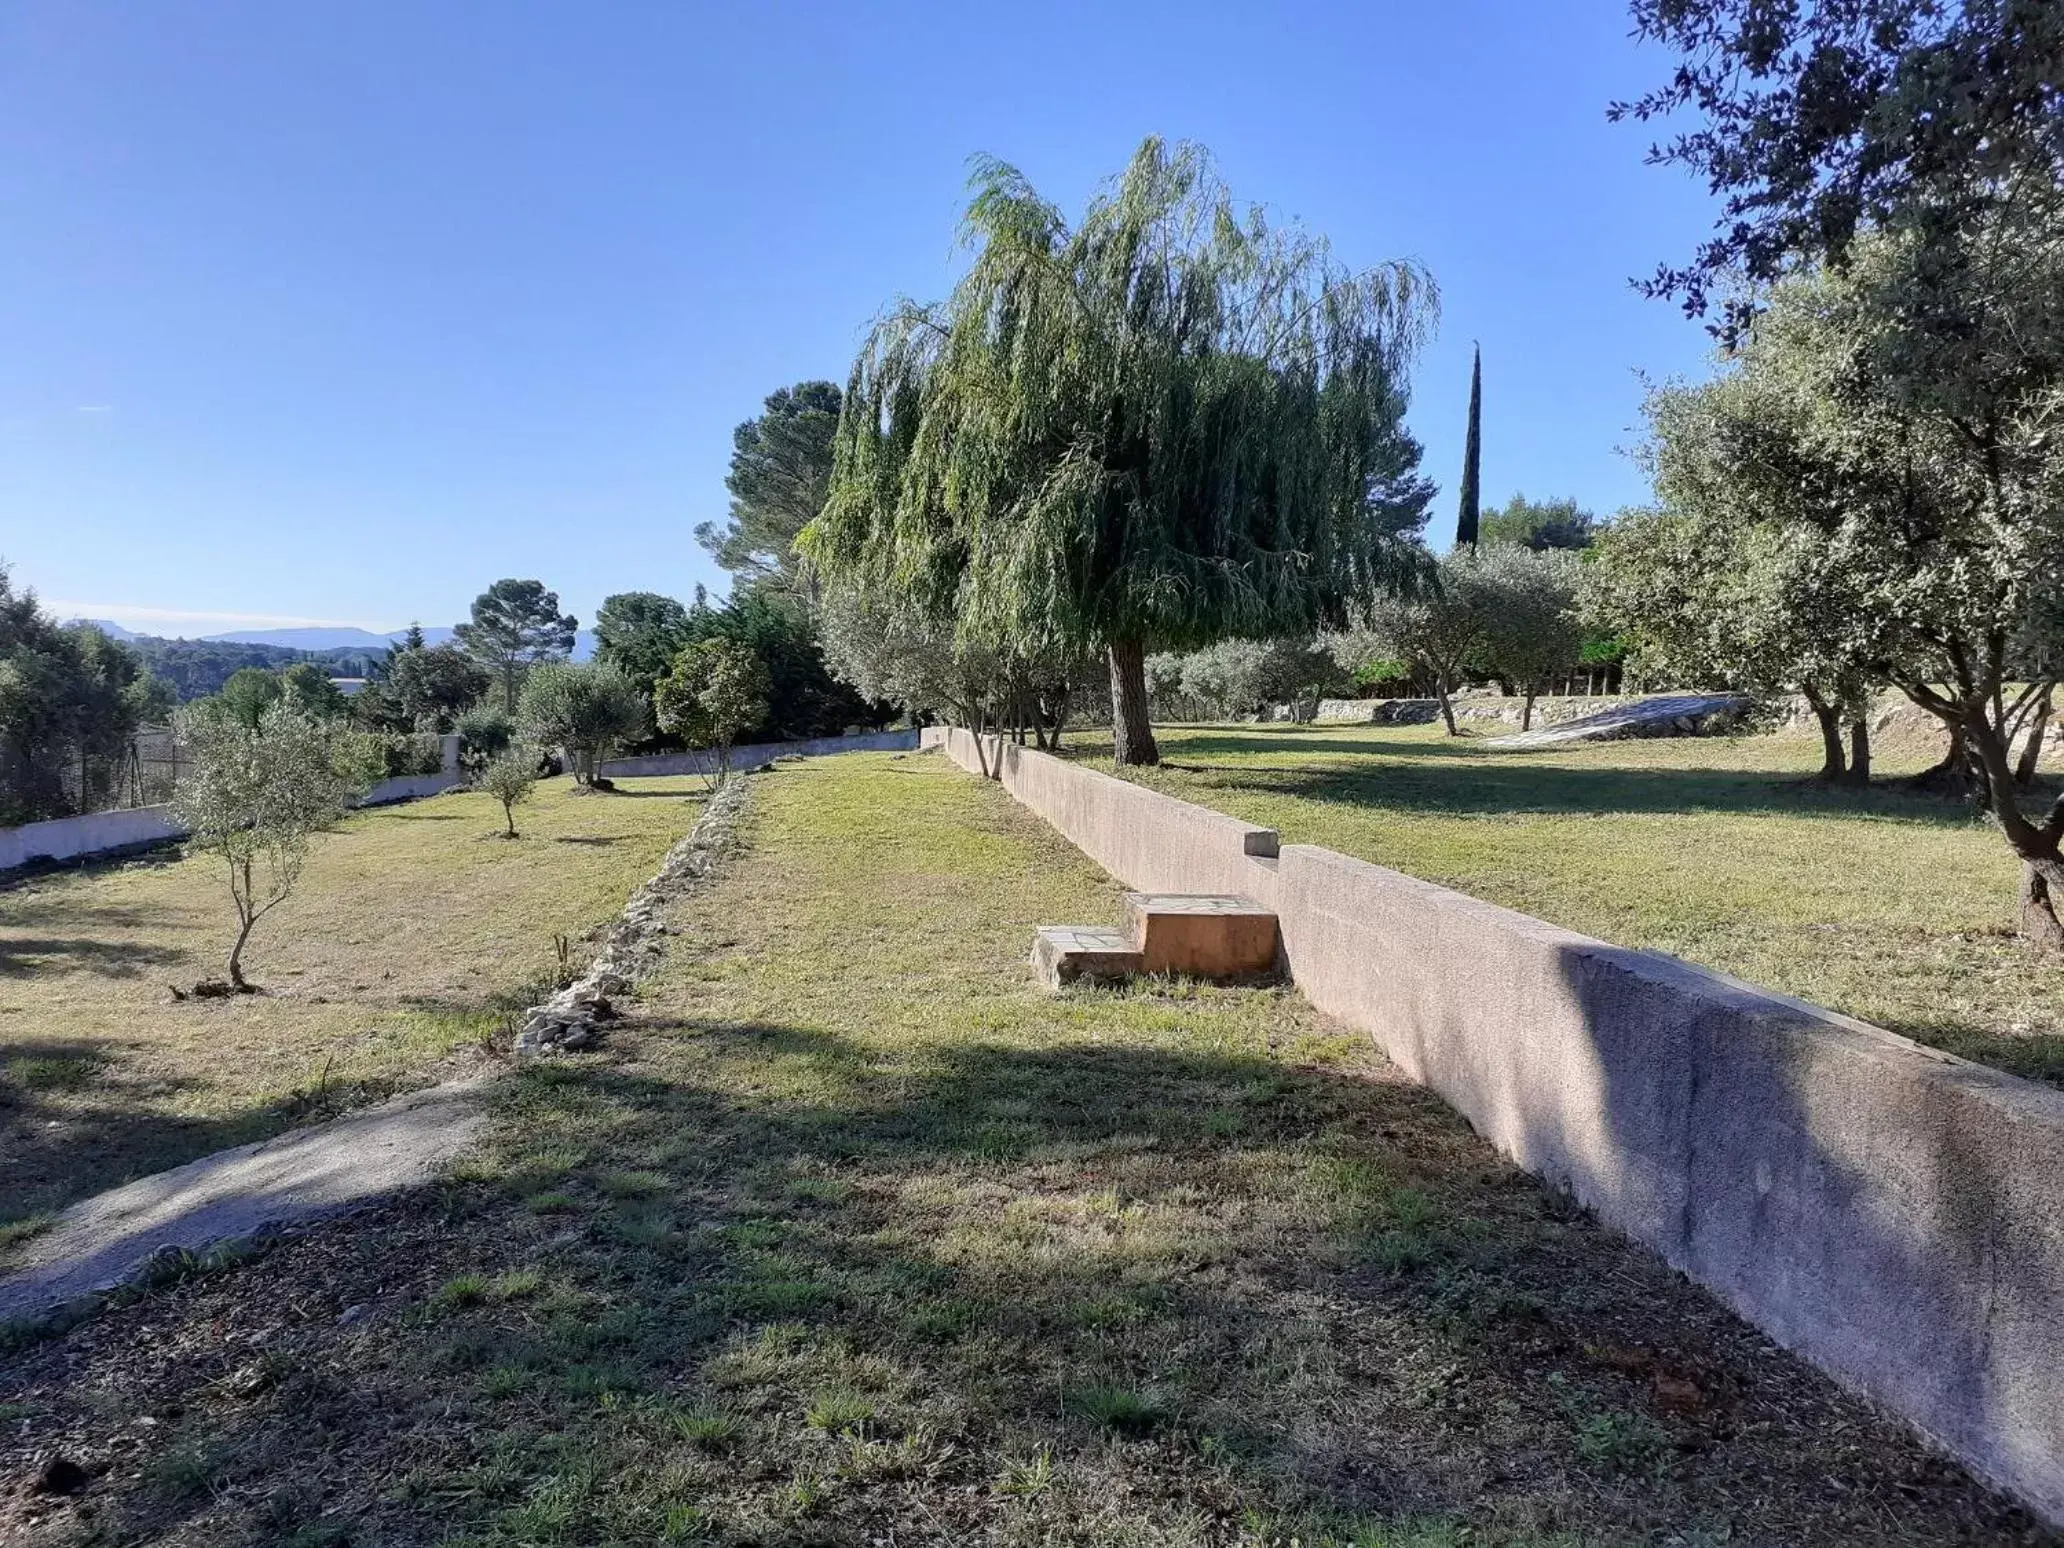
(410, 938)
(1890, 906)
(860, 1237)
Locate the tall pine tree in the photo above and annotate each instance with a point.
(1472, 459)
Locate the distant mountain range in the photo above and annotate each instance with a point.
(322, 639)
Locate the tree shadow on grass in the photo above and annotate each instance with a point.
(22, 955)
(1490, 786)
(65, 1139)
(1201, 1284)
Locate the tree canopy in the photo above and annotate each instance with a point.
(1538, 524)
(591, 710)
(516, 624)
(1169, 423)
(1823, 119)
(780, 473)
(70, 701)
(639, 633)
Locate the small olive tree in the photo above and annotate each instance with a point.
(591, 711)
(716, 688)
(254, 794)
(1433, 631)
(511, 777)
(1531, 625)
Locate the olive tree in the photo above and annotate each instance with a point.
(590, 710)
(1920, 393)
(511, 778)
(1731, 580)
(1531, 624)
(716, 689)
(1434, 630)
(253, 795)
(1166, 424)
(890, 648)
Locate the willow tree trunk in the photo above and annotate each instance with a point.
(1132, 737)
(1859, 753)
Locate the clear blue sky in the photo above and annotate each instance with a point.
(337, 312)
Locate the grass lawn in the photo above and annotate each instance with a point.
(850, 1235)
(1894, 907)
(412, 932)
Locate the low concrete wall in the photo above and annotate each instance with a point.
(1893, 1214)
(759, 754)
(140, 827)
(67, 838)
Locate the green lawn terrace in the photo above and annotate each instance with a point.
(851, 1231)
(1886, 904)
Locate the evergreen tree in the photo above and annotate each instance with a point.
(1472, 459)
(780, 471)
(515, 625)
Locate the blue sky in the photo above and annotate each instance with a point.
(337, 312)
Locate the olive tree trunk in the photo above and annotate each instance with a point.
(1859, 753)
(2031, 750)
(1833, 761)
(1132, 736)
(1447, 708)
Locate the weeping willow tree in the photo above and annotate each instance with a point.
(1167, 425)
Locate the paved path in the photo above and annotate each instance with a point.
(1625, 720)
(101, 1242)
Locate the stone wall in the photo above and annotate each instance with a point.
(1893, 1214)
(1549, 710)
(758, 754)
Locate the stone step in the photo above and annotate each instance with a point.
(1204, 934)
(1061, 954)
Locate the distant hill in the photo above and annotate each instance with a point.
(112, 630)
(360, 639)
(307, 639)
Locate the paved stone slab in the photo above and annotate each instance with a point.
(1063, 953)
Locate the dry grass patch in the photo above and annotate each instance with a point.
(412, 934)
(856, 1237)
(1894, 907)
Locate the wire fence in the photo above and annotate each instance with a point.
(147, 770)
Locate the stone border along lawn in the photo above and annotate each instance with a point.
(848, 1234)
(414, 936)
(1893, 907)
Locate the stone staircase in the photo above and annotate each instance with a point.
(1205, 935)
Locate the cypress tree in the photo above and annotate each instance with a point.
(1472, 458)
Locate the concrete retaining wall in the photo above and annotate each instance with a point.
(67, 838)
(105, 833)
(1894, 1214)
(759, 754)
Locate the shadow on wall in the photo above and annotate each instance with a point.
(1891, 1212)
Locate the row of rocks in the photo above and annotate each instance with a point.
(578, 1016)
